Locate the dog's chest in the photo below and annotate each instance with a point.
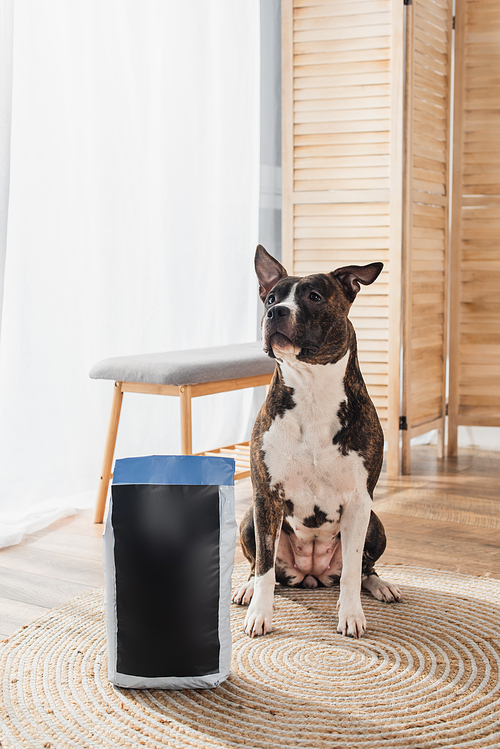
(298, 447)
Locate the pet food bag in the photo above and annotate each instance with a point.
(168, 558)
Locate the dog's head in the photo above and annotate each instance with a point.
(306, 318)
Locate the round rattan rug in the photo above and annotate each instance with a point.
(425, 675)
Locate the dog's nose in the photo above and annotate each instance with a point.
(278, 311)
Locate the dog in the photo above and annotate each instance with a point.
(316, 451)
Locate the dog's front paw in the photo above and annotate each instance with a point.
(244, 594)
(382, 590)
(352, 622)
(258, 621)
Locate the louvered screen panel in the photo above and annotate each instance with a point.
(428, 60)
(475, 283)
(342, 165)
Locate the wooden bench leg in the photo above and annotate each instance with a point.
(440, 441)
(109, 451)
(186, 428)
(406, 454)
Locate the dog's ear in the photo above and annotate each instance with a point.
(268, 270)
(352, 275)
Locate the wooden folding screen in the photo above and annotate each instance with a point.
(342, 109)
(426, 197)
(474, 397)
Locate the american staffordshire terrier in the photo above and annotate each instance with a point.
(316, 451)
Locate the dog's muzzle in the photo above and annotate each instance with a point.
(275, 313)
(278, 328)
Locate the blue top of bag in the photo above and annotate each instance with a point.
(188, 470)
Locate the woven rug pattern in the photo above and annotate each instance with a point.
(425, 675)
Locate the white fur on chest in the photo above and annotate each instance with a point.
(298, 447)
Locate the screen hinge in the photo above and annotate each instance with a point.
(407, 2)
(403, 424)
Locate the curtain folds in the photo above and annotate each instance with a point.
(132, 222)
(6, 35)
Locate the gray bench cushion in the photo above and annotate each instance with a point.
(187, 367)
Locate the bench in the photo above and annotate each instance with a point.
(186, 375)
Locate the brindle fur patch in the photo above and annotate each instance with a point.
(283, 578)
(360, 428)
(287, 528)
(317, 519)
(247, 539)
(375, 543)
(268, 503)
(330, 581)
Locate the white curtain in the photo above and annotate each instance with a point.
(132, 222)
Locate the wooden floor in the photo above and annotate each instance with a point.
(423, 526)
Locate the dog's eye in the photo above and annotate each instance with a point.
(270, 299)
(314, 297)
